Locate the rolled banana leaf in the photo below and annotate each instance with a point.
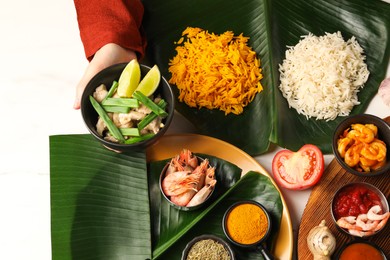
(106, 205)
(271, 26)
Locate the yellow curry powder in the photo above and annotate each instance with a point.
(215, 71)
(247, 224)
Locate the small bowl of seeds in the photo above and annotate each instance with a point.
(208, 247)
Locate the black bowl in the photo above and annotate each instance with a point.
(204, 237)
(106, 77)
(382, 197)
(383, 134)
(359, 241)
(184, 208)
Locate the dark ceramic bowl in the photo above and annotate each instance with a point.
(184, 208)
(225, 219)
(354, 243)
(204, 237)
(106, 77)
(370, 187)
(383, 134)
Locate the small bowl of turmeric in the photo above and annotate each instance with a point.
(247, 224)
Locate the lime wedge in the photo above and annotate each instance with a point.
(150, 82)
(129, 79)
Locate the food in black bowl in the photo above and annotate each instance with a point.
(127, 106)
(361, 250)
(208, 247)
(187, 181)
(360, 145)
(360, 209)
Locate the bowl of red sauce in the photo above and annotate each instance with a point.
(360, 250)
(360, 209)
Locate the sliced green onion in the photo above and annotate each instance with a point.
(139, 138)
(110, 125)
(116, 109)
(111, 92)
(150, 104)
(130, 131)
(149, 118)
(123, 102)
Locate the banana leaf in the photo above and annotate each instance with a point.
(106, 205)
(271, 26)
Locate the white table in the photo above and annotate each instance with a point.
(42, 59)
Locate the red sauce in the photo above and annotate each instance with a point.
(354, 200)
(360, 251)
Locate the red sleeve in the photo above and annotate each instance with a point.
(110, 21)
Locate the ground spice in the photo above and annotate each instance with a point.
(247, 223)
(208, 249)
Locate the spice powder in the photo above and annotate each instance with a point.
(247, 224)
(208, 249)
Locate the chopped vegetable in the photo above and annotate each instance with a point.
(116, 109)
(149, 118)
(112, 90)
(110, 125)
(150, 104)
(124, 102)
(130, 131)
(321, 242)
(298, 170)
(141, 138)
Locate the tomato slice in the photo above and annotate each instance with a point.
(298, 170)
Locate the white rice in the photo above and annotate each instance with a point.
(321, 76)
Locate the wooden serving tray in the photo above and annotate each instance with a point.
(319, 204)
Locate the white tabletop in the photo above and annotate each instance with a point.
(42, 59)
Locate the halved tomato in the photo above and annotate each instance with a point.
(298, 170)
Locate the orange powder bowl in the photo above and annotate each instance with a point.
(247, 224)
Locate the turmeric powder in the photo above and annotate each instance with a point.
(247, 224)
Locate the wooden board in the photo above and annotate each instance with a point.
(318, 208)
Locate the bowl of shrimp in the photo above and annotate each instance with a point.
(360, 209)
(187, 181)
(125, 124)
(360, 144)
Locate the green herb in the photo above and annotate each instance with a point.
(110, 125)
(112, 90)
(124, 102)
(139, 138)
(150, 104)
(149, 118)
(208, 249)
(116, 109)
(130, 131)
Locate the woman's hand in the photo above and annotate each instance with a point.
(106, 56)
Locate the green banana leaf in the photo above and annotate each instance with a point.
(271, 26)
(106, 205)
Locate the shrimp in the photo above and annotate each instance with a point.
(360, 233)
(376, 150)
(348, 223)
(202, 195)
(372, 213)
(177, 183)
(365, 223)
(352, 156)
(187, 157)
(373, 128)
(343, 145)
(210, 175)
(382, 223)
(362, 133)
(200, 173)
(184, 198)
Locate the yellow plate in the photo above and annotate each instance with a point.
(170, 145)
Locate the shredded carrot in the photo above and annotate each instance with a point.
(215, 71)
